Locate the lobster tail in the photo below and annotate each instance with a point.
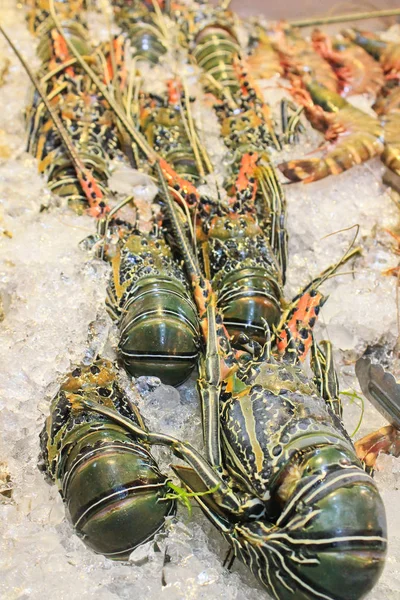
(215, 51)
(146, 38)
(249, 298)
(159, 332)
(157, 320)
(330, 544)
(113, 491)
(109, 481)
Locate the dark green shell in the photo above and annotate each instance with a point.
(146, 38)
(215, 50)
(111, 485)
(158, 324)
(245, 274)
(323, 534)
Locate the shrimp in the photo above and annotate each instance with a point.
(388, 53)
(357, 136)
(300, 58)
(357, 71)
(263, 61)
(387, 105)
(389, 109)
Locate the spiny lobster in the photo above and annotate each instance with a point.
(108, 479)
(148, 293)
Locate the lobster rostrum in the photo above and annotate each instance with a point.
(114, 493)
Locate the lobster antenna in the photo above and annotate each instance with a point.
(137, 137)
(195, 138)
(351, 251)
(54, 116)
(189, 258)
(189, 129)
(160, 18)
(83, 174)
(373, 14)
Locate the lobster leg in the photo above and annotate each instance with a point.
(274, 197)
(299, 319)
(325, 376)
(205, 476)
(210, 369)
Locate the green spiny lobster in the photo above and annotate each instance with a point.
(148, 293)
(80, 174)
(244, 241)
(108, 479)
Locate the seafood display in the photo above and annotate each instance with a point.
(163, 135)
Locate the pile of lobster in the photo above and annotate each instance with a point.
(203, 288)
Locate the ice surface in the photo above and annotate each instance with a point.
(52, 297)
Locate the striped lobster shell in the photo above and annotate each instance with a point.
(110, 483)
